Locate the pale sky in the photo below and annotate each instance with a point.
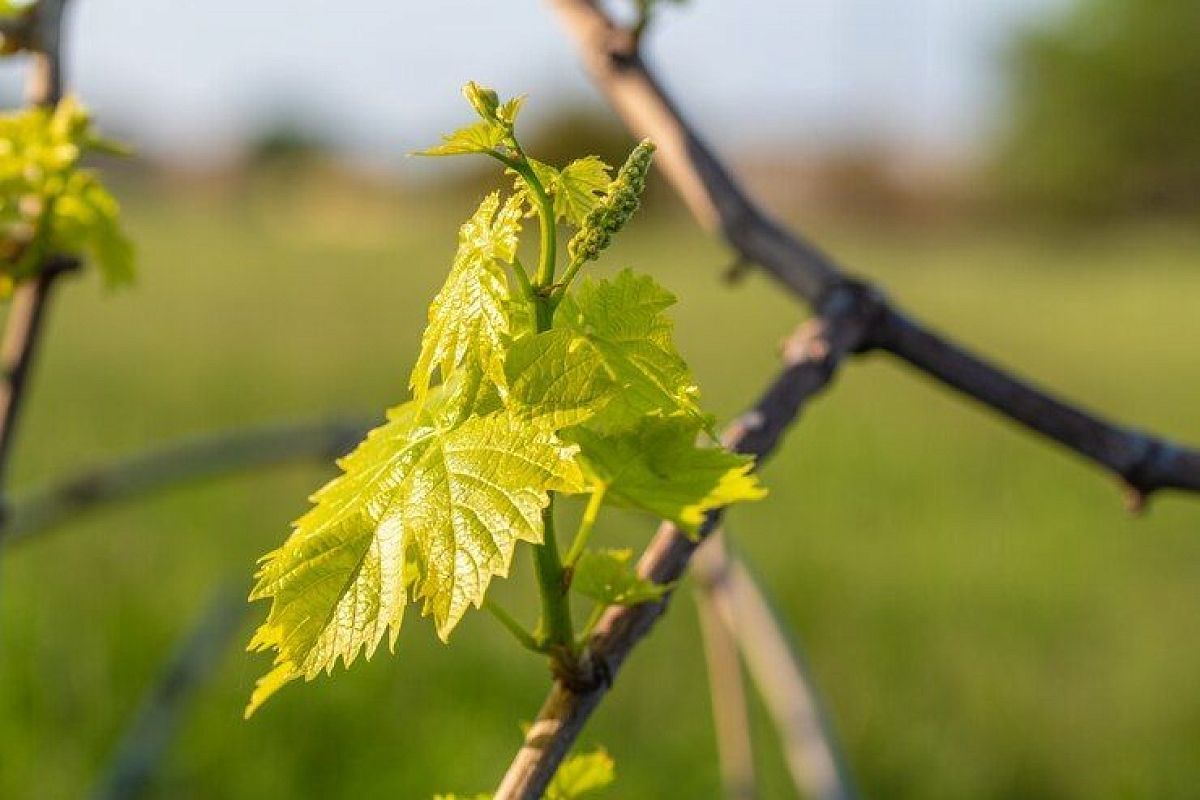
(189, 77)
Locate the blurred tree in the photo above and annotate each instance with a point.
(285, 140)
(1106, 110)
(576, 128)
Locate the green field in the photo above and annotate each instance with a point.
(983, 619)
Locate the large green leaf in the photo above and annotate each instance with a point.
(657, 466)
(429, 507)
(623, 323)
(470, 315)
(558, 376)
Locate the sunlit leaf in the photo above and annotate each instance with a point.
(581, 775)
(579, 188)
(557, 375)
(490, 134)
(470, 313)
(450, 496)
(622, 321)
(578, 777)
(575, 189)
(657, 466)
(478, 137)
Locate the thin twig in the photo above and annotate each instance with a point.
(26, 317)
(153, 727)
(176, 463)
(809, 745)
(23, 329)
(46, 83)
(727, 689)
(812, 356)
(1143, 462)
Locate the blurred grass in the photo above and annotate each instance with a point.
(983, 619)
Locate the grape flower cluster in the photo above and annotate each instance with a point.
(622, 200)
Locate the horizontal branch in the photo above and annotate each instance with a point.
(1143, 462)
(812, 356)
(177, 463)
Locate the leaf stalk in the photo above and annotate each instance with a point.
(510, 624)
(585, 527)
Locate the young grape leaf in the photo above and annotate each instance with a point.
(608, 577)
(656, 466)
(581, 775)
(478, 137)
(579, 188)
(470, 313)
(622, 320)
(576, 189)
(508, 111)
(578, 777)
(485, 101)
(450, 497)
(556, 375)
(492, 131)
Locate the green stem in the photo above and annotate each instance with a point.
(547, 219)
(592, 620)
(527, 639)
(560, 288)
(585, 527)
(555, 630)
(549, 239)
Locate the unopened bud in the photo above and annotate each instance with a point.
(485, 101)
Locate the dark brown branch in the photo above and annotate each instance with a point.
(45, 86)
(812, 357)
(1144, 463)
(22, 334)
(175, 464)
